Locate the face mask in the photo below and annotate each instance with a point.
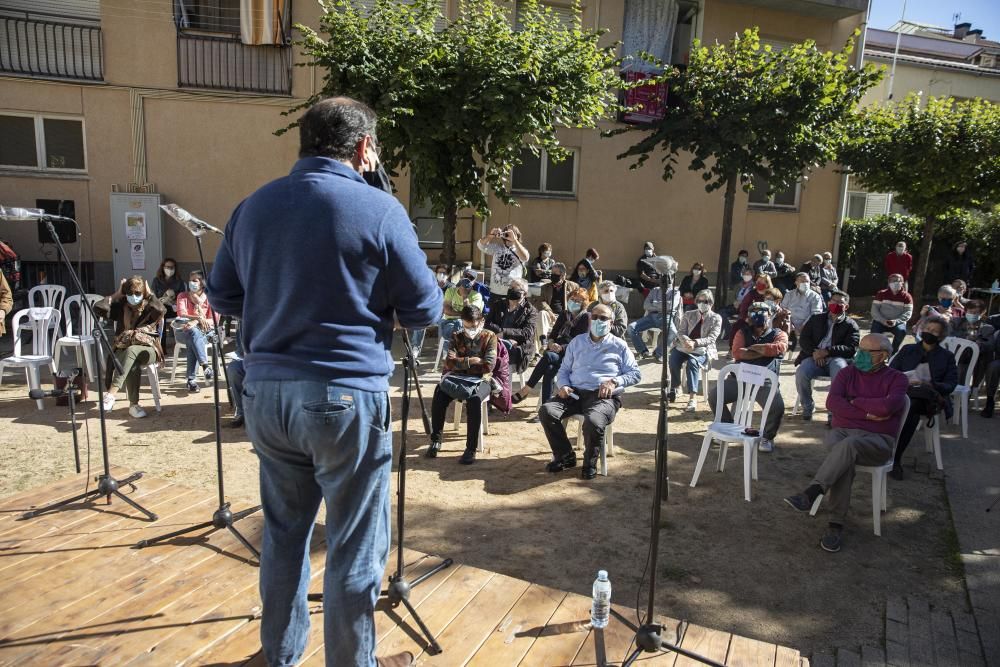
(769, 300)
(607, 297)
(946, 303)
(761, 286)
(556, 278)
(134, 299)
(168, 272)
(758, 319)
(647, 252)
(900, 250)
(582, 273)
(704, 307)
(747, 278)
(471, 333)
(547, 254)
(194, 286)
(442, 277)
(695, 272)
(514, 295)
(765, 258)
(863, 361)
(378, 179)
(574, 306)
(827, 262)
(895, 287)
(929, 338)
(600, 328)
(779, 260)
(743, 259)
(802, 287)
(972, 317)
(836, 309)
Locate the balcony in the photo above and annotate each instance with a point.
(56, 49)
(217, 62)
(827, 9)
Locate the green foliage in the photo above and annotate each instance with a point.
(455, 106)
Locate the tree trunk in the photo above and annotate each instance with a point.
(450, 225)
(722, 281)
(923, 261)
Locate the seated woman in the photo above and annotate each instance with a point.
(572, 322)
(455, 299)
(782, 316)
(750, 297)
(136, 314)
(694, 347)
(946, 309)
(513, 321)
(468, 369)
(167, 285)
(541, 268)
(585, 275)
(972, 327)
(193, 307)
(693, 282)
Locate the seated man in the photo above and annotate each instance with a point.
(653, 319)
(826, 344)
(892, 308)
(759, 343)
(467, 372)
(456, 298)
(802, 302)
(974, 328)
(866, 401)
(595, 370)
(695, 346)
(928, 366)
(606, 294)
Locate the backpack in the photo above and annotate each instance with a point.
(10, 264)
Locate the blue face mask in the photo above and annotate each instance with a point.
(194, 286)
(758, 319)
(574, 306)
(134, 299)
(972, 317)
(946, 303)
(600, 328)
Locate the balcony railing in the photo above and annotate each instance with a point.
(51, 49)
(226, 63)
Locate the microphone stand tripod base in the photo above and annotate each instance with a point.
(106, 486)
(222, 518)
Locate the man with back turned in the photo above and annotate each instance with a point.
(318, 362)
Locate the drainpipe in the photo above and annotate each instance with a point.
(842, 201)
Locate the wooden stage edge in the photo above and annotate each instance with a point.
(73, 591)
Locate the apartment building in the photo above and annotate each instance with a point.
(180, 98)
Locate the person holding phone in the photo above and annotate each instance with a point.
(509, 259)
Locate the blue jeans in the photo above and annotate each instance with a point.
(236, 375)
(898, 333)
(445, 329)
(645, 323)
(318, 441)
(808, 370)
(695, 362)
(197, 349)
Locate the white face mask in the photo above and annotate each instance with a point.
(647, 252)
(442, 277)
(747, 278)
(168, 272)
(134, 299)
(607, 297)
(547, 254)
(472, 333)
(895, 286)
(802, 287)
(704, 307)
(827, 262)
(765, 258)
(779, 260)
(194, 286)
(695, 272)
(900, 250)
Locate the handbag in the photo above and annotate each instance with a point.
(929, 397)
(460, 387)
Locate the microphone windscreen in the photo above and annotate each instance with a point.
(665, 265)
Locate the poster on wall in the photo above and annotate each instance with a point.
(135, 226)
(138, 251)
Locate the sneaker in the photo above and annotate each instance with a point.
(645, 355)
(658, 358)
(833, 539)
(766, 445)
(534, 419)
(807, 416)
(897, 472)
(692, 405)
(237, 421)
(671, 396)
(435, 447)
(588, 473)
(193, 387)
(109, 402)
(136, 411)
(208, 372)
(468, 457)
(799, 502)
(563, 463)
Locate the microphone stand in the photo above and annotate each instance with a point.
(223, 517)
(107, 485)
(648, 638)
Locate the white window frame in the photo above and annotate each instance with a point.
(543, 178)
(40, 153)
(770, 205)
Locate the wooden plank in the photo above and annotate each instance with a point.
(438, 610)
(73, 484)
(613, 643)
(787, 657)
(517, 631)
(473, 625)
(744, 652)
(709, 643)
(561, 639)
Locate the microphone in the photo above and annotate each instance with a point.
(19, 214)
(37, 394)
(194, 225)
(664, 265)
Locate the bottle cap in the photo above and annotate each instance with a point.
(602, 574)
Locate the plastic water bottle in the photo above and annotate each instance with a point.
(996, 284)
(600, 607)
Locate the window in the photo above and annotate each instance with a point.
(564, 13)
(540, 174)
(861, 205)
(788, 199)
(209, 15)
(42, 142)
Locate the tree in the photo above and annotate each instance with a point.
(457, 105)
(741, 110)
(938, 159)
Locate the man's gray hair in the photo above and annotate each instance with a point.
(803, 274)
(884, 343)
(607, 284)
(520, 284)
(707, 295)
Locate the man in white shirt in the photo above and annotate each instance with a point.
(509, 259)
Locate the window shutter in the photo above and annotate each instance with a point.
(80, 9)
(876, 204)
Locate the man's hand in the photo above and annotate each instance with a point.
(555, 347)
(475, 361)
(875, 418)
(915, 382)
(564, 392)
(452, 355)
(747, 353)
(890, 323)
(606, 389)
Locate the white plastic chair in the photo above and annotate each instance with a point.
(44, 325)
(932, 437)
(47, 296)
(607, 447)
(879, 479)
(742, 411)
(82, 337)
(484, 423)
(153, 376)
(958, 346)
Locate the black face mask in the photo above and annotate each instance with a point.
(929, 338)
(514, 295)
(378, 179)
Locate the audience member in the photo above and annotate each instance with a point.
(992, 370)
(764, 265)
(607, 294)
(828, 278)
(646, 269)
(740, 267)
(591, 255)
(541, 268)
(960, 264)
(595, 370)
(481, 289)
(974, 328)
(827, 343)
(167, 285)
(694, 347)
(960, 291)
(760, 344)
(784, 278)
(653, 319)
(814, 269)
(572, 322)
(509, 259)
(513, 320)
(892, 308)
(135, 313)
(901, 262)
(466, 377)
(801, 303)
(945, 309)
(933, 375)
(761, 284)
(586, 277)
(782, 318)
(867, 402)
(456, 298)
(236, 374)
(691, 284)
(443, 279)
(194, 324)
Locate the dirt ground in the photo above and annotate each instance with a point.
(750, 568)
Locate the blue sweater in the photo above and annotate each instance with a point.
(317, 264)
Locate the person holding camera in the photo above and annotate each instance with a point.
(509, 259)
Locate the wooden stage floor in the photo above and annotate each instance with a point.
(73, 591)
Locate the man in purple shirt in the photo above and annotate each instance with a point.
(867, 402)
